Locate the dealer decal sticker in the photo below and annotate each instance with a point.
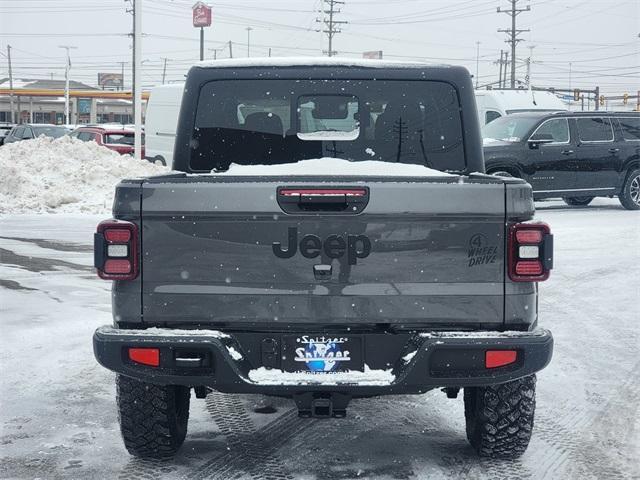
(321, 354)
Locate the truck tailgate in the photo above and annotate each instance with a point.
(436, 253)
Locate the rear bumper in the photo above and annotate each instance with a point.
(425, 360)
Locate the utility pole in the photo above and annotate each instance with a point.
(132, 11)
(13, 116)
(164, 69)
(137, 95)
(500, 74)
(330, 24)
(570, 75)
(248, 29)
(513, 33)
(230, 49)
(506, 62)
(67, 69)
(477, 62)
(122, 74)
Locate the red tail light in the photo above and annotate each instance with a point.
(116, 250)
(145, 356)
(530, 252)
(499, 358)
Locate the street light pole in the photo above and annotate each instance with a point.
(248, 29)
(477, 62)
(67, 69)
(137, 90)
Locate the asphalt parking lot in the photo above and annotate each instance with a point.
(58, 415)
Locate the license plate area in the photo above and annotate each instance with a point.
(322, 353)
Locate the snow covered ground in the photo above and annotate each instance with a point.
(57, 405)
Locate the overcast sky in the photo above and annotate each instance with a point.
(599, 38)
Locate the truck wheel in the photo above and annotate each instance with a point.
(577, 201)
(499, 418)
(153, 418)
(630, 195)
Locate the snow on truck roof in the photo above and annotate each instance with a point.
(312, 62)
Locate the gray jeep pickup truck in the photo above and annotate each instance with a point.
(328, 234)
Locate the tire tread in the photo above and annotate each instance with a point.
(499, 418)
(153, 419)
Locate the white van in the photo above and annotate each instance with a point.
(493, 104)
(163, 109)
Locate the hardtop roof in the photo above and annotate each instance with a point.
(569, 113)
(274, 62)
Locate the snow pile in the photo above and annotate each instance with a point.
(64, 175)
(164, 332)
(369, 377)
(335, 166)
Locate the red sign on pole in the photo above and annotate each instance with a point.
(201, 15)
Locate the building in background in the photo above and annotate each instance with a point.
(99, 106)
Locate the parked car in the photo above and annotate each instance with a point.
(161, 120)
(5, 128)
(268, 276)
(576, 156)
(494, 104)
(119, 139)
(27, 131)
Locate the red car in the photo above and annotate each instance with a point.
(119, 139)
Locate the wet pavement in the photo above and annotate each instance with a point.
(57, 408)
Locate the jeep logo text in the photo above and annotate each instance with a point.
(335, 246)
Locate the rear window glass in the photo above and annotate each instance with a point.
(54, 132)
(630, 127)
(120, 138)
(86, 136)
(266, 122)
(594, 129)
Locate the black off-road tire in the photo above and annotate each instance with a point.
(577, 201)
(630, 195)
(159, 158)
(500, 417)
(153, 418)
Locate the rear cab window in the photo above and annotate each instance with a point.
(594, 129)
(267, 122)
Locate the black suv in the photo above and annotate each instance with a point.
(573, 155)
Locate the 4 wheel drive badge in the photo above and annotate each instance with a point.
(321, 354)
